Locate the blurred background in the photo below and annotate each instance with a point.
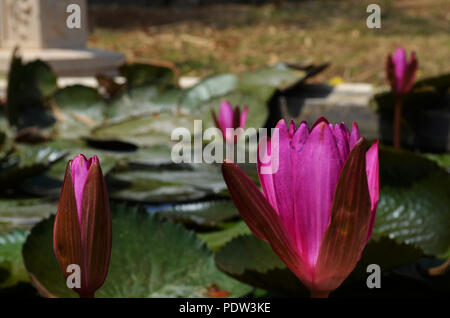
(206, 37)
(135, 70)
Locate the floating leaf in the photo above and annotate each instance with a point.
(441, 82)
(12, 270)
(25, 162)
(78, 108)
(143, 100)
(253, 262)
(171, 184)
(149, 258)
(138, 74)
(218, 239)
(204, 214)
(23, 213)
(262, 83)
(417, 215)
(29, 84)
(209, 88)
(142, 131)
(414, 201)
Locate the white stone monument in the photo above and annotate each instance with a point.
(48, 30)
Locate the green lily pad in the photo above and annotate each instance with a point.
(81, 100)
(138, 74)
(149, 258)
(417, 215)
(29, 84)
(441, 82)
(23, 213)
(414, 201)
(25, 162)
(151, 156)
(143, 131)
(48, 183)
(167, 184)
(81, 108)
(252, 261)
(401, 168)
(203, 214)
(218, 239)
(443, 159)
(12, 270)
(142, 100)
(209, 88)
(262, 83)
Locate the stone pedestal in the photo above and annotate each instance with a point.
(39, 28)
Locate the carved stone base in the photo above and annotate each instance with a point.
(65, 62)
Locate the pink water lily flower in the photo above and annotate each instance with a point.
(231, 119)
(318, 209)
(400, 72)
(82, 229)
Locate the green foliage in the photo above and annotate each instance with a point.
(23, 213)
(149, 258)
(218, 239)
(252, 261)
(201, 214)
(29, 85)
(12, 270)
(139, 74)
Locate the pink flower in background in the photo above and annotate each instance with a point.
(318, 209)
(229, 118)
(400, 72)
(82, 229)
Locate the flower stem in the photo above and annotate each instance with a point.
(86, 295)
(319, 294)
(398, 122)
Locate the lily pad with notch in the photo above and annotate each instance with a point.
(149, 258)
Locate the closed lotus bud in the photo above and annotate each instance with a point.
(82, 229)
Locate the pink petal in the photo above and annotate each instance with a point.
(300, 137)
(291, 129)
(316, 172)
(225, 116)
(80, 170)
(243, 118)
(399, 61)
(266, 177)
(354, 136)
(96, 231)
(318, 121)
(390, 73)
(345, 238)
(373, 182)
(342, 141)
(410, 73)
(262, 220)
(281, 181)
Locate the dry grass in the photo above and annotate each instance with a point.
(234, 38)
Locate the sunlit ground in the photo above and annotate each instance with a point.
(235, 38)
